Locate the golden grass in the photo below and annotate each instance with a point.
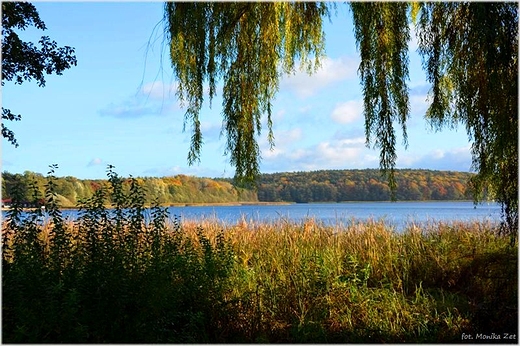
(300, 275)
(360, 282)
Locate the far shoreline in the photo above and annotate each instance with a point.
(258, 203)
(181, 205)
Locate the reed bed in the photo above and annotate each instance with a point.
(365, 282)
(128, 276)
(254, 282)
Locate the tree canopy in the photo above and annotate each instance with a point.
(469, 52)
(23, 61)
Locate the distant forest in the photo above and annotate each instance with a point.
(363, 185)
(299, 187)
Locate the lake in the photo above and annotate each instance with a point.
(394, 213)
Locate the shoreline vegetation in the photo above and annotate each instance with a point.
(180, 205)
(112, 277)
(237, 204)
(295, 187)
(257, 283)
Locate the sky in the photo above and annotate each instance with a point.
(118, 106)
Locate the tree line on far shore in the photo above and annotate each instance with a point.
(363, 185)
(299, 187)
(166, 190)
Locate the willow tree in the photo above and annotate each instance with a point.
(249, 46)
(469, 51)
(470, 54)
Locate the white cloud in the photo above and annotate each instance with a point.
(338, 151)
(159, 90)
(330, 72)
(348, 151)
(278, 116)
(283, 141)
(289, 136)
(347, 112)
(152, 99)
(419, 99)
(437, 154)
(454, 159)
(305, 109)
(188, 170)
(334, 154)
(210, 131)
(128, 109)
(418, 105)
(95, 162)
(271, 154)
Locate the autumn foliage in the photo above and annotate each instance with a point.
(299, 187)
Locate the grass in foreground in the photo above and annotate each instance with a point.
(126, 276)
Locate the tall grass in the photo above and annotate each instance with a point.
(306, 282)
(133, 275)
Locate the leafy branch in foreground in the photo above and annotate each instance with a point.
(23, 61)
(110, 275)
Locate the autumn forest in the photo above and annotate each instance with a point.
(299, 187)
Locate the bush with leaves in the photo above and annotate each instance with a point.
(112, 275)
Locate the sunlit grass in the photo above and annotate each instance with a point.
(366, 281)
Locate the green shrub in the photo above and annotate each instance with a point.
(111, 276)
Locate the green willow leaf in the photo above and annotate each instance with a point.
(382, 34)
(248, 46)
(470, 54)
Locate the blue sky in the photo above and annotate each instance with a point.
(118, 106)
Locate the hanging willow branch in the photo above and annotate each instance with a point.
(247, 46)
(382, 35)
(470, 54)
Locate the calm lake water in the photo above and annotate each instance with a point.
(394, 213)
